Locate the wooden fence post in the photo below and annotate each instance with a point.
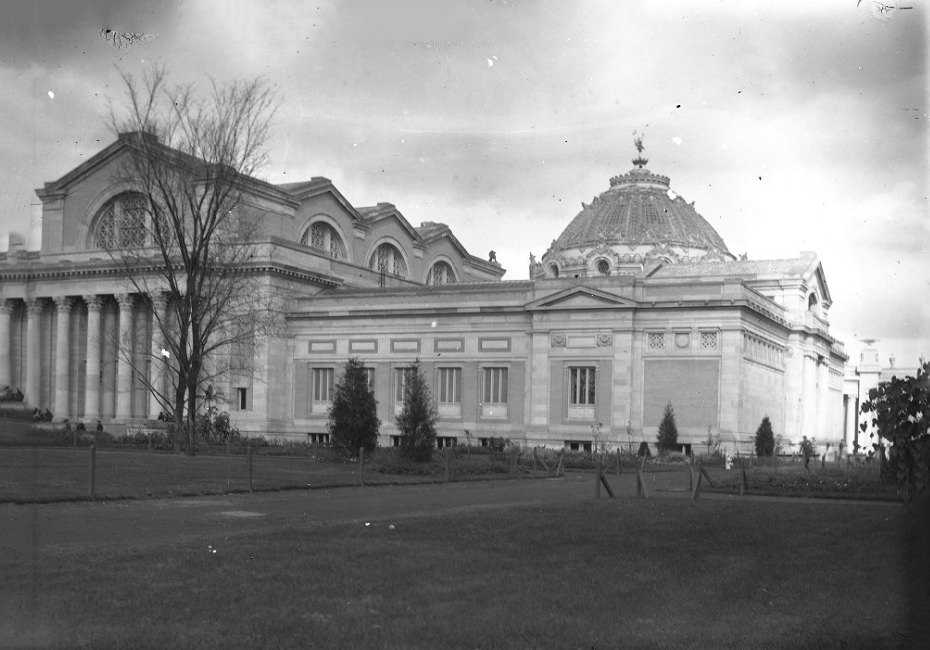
(641, 485)
(445, 458)
(691, 477)
(696, 489)
(743, 484)
(92, 483)
(597, 482)
(618, 462)
(361, 466)
(248, 454)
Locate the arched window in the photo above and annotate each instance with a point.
(323, 237)
(812, 302)
(123, 223)
(440, 273)
(387, 259)
(603, 267)
(553, 270)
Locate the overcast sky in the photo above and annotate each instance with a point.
(793, 126)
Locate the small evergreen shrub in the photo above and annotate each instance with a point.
(765, 438)
(667, 440)
(417, 419)
(353, 420)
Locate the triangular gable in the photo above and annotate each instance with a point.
(819, 278)
(123, 142)
(389, 211)
(580, 298)
(83, 170)
(325, 186)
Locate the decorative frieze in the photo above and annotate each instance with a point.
(763, 351)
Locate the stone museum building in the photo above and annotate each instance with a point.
(637, 303)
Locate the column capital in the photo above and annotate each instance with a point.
(7, 305)
(159, 299)
(125, 300)
(94, 302)
(63, 303)
(35, 305)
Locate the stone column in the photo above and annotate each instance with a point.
(157, 368)
(124, 358)
(62, 356)
(32, 391)
(824, 433)
(92, 384)
(6, 311)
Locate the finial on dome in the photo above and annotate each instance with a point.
(640, 160)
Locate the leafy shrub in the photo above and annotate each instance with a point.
(215, 427)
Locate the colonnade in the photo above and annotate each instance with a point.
(44, 370)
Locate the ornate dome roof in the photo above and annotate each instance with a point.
(638, 219)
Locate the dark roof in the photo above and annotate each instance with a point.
(639, 208)
(301, 186)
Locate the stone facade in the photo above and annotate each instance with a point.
(658, 313)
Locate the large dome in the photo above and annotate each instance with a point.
(637, 220)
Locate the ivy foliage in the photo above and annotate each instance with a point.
(417, 418)
(900, 411)
(353, 420)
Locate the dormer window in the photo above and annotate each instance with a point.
(323, 237)
(812, 302)
(388, 260)
(440, 273)
(123, 223)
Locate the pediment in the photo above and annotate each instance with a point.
(580, 298)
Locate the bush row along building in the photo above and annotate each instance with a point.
(637, 303)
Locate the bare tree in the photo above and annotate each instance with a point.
(188, 234)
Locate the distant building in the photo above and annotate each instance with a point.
(857, 383)
(636, 304)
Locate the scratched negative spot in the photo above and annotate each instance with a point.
(240, 513)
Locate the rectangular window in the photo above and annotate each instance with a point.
(319, 439)
(400, 385)
(494, 393)
(242, 399)
(322, 396)
(449, 392)
(581, 393)
(370, 376)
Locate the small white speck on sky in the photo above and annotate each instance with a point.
(51, 95)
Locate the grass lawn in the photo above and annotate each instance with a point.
(43, 474)
(598, 574)
(858, 481)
